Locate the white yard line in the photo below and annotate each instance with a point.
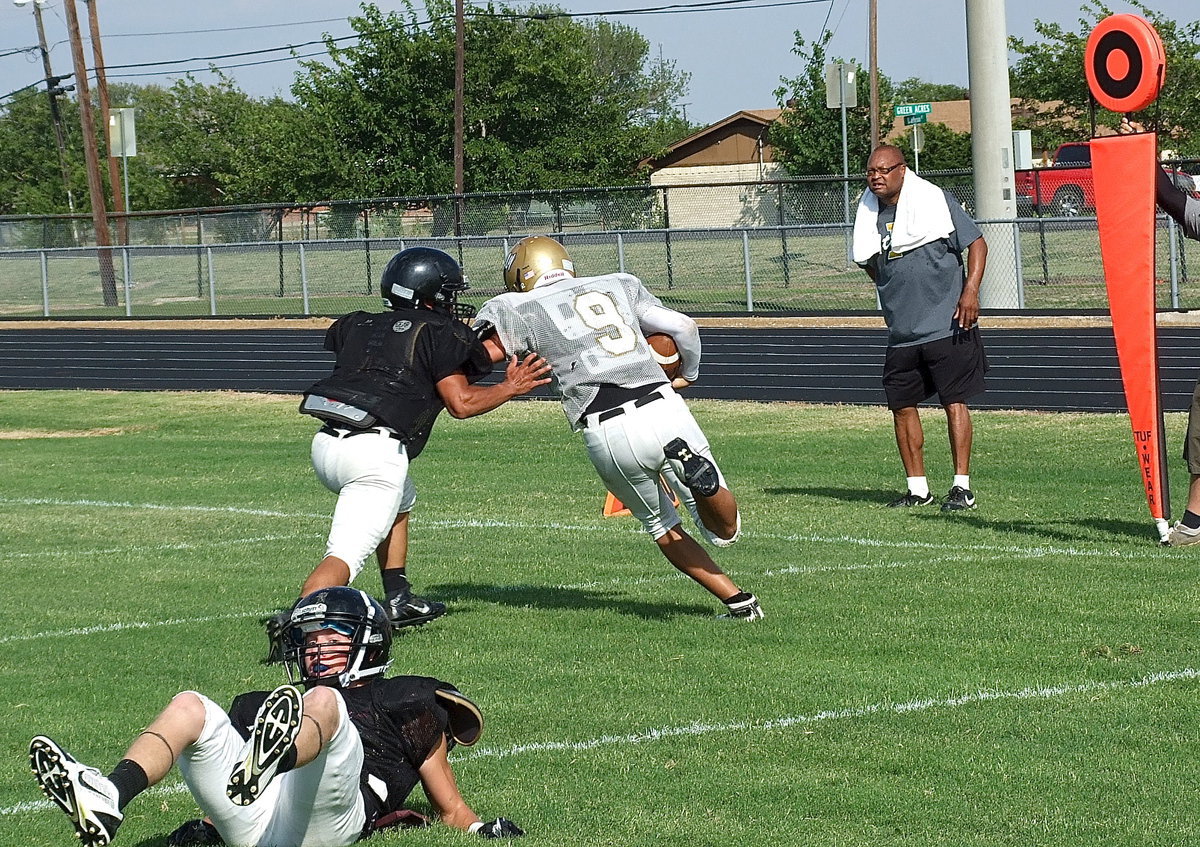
(627, 528)
(1045, 692)
(122, 626)
(665, 576)
(144, 548)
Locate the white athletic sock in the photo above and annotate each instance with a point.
(963, 480)
(918, 485)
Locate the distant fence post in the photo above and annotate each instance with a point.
(212, 283)
(787, 268)
(746, 270)
(280, 231)
(1018, 265)
(304, 281)
(667, 237)
(128, 281)
(367, 245)
(1172, 247)
(45, 283)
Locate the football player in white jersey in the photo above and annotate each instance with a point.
(637, 430)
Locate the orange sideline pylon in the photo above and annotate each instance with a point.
(614, 508)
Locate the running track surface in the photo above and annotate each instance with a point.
(1051, 369)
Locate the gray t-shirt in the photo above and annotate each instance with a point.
(1191, 218)
(919, 290)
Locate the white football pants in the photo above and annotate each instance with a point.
(318, 805)
(369, 474)
(627, 452)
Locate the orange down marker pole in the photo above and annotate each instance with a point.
(1123, 168)
(1125, 64)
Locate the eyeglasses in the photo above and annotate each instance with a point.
(883, 171)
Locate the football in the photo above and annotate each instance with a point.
(665, 353)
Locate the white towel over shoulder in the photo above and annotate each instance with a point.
(922, 216)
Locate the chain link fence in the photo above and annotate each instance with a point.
(778, 247)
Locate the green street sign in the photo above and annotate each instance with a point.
(909, 120)
(907, 109)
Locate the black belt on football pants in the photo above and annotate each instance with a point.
(350, 433)
(609, 414)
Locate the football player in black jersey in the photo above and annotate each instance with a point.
(395, 371)
(324, 766)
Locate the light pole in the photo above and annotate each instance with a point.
(52, 91)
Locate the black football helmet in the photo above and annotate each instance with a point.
(352, 613)
(424, 277)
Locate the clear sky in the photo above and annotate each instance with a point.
(736, 56)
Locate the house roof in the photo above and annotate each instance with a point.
(740, 139)
(735, 140)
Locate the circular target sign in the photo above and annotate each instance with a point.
(1125, 63)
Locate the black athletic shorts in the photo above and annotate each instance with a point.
(951, 367)
(1191, 445)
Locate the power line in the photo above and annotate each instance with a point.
(218, 67)
(674, 8)
(13, 51)
(24, 88)
(223, 29)
(230, 55)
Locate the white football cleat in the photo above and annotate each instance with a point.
(85, 794)
(272, 736)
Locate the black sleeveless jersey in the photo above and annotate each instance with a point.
(389, 363)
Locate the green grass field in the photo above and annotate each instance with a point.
(1024, 674)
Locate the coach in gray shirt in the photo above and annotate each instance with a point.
(910, 237)
(1186, 211)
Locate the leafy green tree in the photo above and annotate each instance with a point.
(204, 145)
(913, 90)
(31, 181)
(549, 103)
(1049, 72)
(943, 148)
(807, 138)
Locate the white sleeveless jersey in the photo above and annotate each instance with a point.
(588, 329)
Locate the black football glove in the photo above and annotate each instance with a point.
(277, 625)
(501, 828)
(192, 833)
(483, 329)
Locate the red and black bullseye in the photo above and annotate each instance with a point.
(1125, 63)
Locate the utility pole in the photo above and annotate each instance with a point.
(52, 91)
(108, 280)
(459, 86)
(114, 177)
(873, 39)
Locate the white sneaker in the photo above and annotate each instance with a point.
(85, 794)
(1182, 536)
(273, 734)
(743, 610)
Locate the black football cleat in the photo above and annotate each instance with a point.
(699, 474)
(412, 611)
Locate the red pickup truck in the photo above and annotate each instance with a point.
(1064, 189)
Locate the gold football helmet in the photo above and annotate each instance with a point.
(531, 259)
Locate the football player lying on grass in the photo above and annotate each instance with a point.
(286, 768)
